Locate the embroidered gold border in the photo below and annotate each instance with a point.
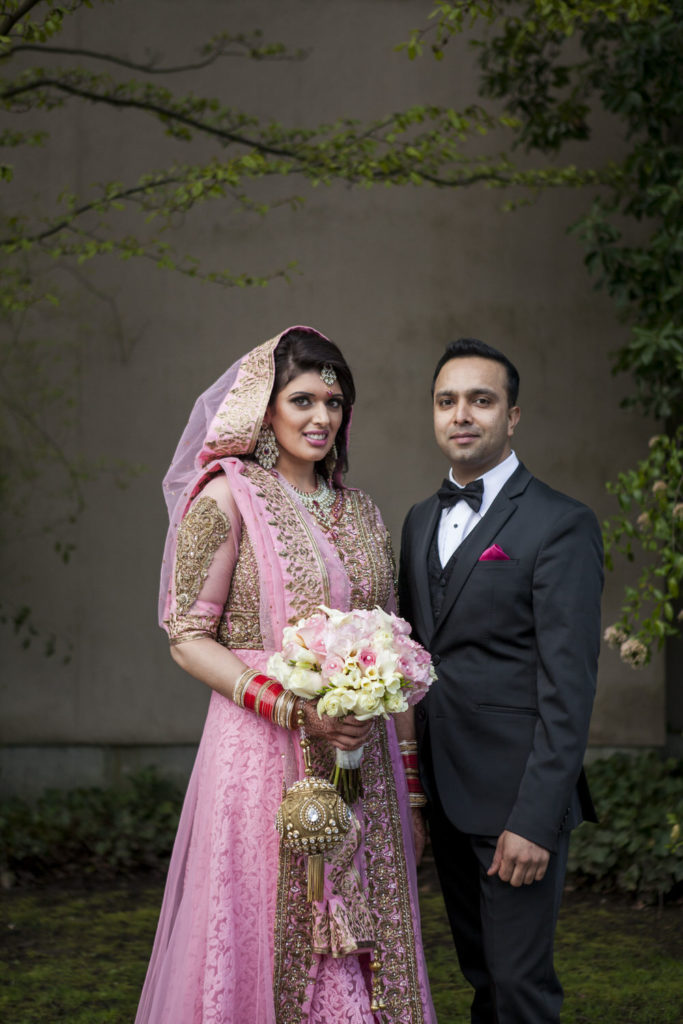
(389, 888)
(296, 543)
(238, 421)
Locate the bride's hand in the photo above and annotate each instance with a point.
(344, 733)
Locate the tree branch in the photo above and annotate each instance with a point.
(148, 68)
(148, 106)
(11, 19)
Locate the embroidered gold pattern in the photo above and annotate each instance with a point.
(389, 892)
(182, 628)
(363, 544)
(238, 422)
(240, 626)
(200, 534)
(309, 584)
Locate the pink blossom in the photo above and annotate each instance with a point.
(367, 657)
(332, 664)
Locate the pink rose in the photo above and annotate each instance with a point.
(332, 664)
(367, 658)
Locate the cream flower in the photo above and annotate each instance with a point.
(394, 703)
(614, 636)
(329, 704)
(633, 652)
(367, 706)
(304, 683)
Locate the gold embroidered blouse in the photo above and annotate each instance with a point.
(216, 591)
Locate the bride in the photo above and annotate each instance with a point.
(262, 531)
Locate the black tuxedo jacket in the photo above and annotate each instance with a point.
(516, 649)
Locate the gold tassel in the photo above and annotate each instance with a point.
(316, 877)
(377, 1004)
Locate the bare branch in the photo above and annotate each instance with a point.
(150, 68)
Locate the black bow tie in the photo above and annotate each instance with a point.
(449, 494)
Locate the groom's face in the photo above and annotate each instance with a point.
(473, 423)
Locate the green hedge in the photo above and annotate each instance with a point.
(90, 832)
(636, 849)
(638, 846)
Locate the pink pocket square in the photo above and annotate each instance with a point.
(494, 554)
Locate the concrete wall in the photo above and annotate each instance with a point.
(390, 274)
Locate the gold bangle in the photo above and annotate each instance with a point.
(261, 693)
(407, 746)
(417, 799)
(243, 681)
(284, 711)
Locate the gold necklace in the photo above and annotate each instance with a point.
(319, 502)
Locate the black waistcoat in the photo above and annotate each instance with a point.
(438, 575)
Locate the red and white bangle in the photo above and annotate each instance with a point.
(416, 794)
(266, 697)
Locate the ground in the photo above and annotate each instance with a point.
(77, 953)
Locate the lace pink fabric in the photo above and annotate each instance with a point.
(341, 994)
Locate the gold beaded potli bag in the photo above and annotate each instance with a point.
(312, 819)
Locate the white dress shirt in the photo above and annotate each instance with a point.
(459, 520)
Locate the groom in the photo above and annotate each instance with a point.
(501, 579)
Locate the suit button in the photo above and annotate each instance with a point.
(442, 582)
(421, 713)
(436, 659)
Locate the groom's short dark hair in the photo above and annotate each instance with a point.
(464, 347)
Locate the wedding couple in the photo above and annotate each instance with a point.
(500, 580)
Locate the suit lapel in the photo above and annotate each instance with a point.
(481, 537)
(425, 529)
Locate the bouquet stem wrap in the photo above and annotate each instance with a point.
(346, 775)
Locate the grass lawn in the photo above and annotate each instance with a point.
(80, 956)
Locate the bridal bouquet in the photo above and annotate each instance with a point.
(360, 663)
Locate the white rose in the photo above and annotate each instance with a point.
(304, 683)
(394, 703)
(337, 680)
(367, 706)
(277, 667)
(347, 699)
(330, 704)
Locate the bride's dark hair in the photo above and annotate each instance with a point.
(301, 350)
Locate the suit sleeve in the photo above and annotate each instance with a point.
(567, 587)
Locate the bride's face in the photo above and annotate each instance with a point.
(305, 417)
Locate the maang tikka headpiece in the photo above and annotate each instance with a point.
(328, 375)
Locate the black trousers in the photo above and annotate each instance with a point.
(503, 935)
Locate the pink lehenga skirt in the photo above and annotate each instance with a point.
(234, 940)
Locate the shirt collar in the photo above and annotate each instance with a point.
(493, 480)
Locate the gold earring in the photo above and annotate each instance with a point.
(331, 460)
(266, 451)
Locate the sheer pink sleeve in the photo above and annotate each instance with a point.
(205, 556)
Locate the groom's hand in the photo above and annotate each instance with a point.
(518, 861)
